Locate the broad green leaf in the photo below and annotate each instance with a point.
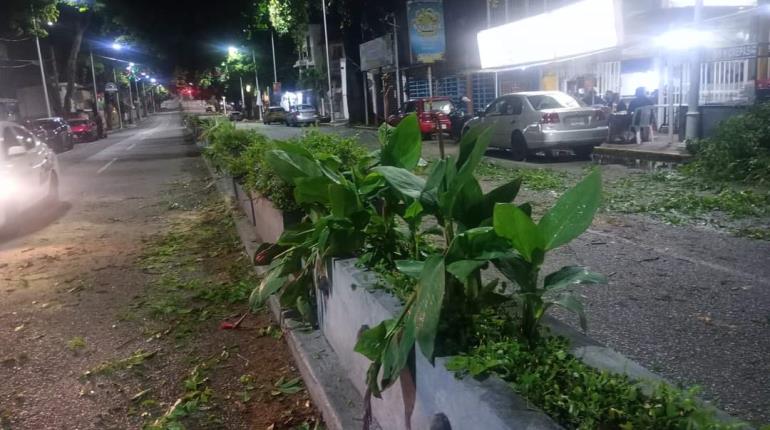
(290, 166)
(527, 208)
(397, 353)
(462, 269)
(268, 286)
(503, 194)
(572, 275)
(466, 202)
(312, 190)
(466, 167)
(513, 224)
(426, 310)
(402, 180)
(572, 304)
(514, 268)
(480, 243)
(344, 201)
(573, 213)
(372, 342)
(403, 145)
(413, 211)
(468, 142)
(411, 268)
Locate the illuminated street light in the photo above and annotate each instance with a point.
(50, 24)
(117, 46)
(232, 51)
(153, 80)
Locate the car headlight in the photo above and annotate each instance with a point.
(9, 187)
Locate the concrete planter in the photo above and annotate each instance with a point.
(348, 302)
(269, 222)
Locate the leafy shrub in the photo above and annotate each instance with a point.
(580, 397)
(739, 149)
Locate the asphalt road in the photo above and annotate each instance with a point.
(691, 304)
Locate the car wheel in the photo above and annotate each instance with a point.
(583, 152)
(426, 136)
(519, 150)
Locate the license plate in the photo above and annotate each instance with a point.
(577, 121)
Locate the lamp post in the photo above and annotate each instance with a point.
(328, 64)
(272, 42)
(42, 69)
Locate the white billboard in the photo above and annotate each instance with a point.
(376, 53)
(556, 34)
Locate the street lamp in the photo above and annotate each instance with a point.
(232, 51)
(117, 46)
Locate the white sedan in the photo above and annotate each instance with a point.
(29, 173)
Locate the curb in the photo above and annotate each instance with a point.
(340, 404)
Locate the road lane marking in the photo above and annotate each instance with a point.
(106, 165)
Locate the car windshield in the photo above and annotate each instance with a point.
(79, 122)
(48, 125)
(444, 106)
(276, 109)
(305, 108)
(552, 101)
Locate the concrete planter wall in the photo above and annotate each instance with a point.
(268, 221)
(349, 302)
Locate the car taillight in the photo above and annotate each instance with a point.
(600, 116)
(550, 118)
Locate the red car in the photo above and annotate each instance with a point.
(84, 130)
(428, 109)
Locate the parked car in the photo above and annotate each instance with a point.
(302, 115)
(429, 110)
(235, 116)
(54, 132)
(84, 130)
(529, 122)
(29, 173)
(274, 114)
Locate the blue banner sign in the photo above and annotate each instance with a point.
(426, 30)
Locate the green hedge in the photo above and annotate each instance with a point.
(241, 154)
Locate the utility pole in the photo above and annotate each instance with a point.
(144, 99)
(93, 78)
(117, 96)
(693, 94)
(328, 63)
(395, 50)
(256, 82)
(243, 96)
(42, 68)
(130, 102)
(272, 42)
(139, 97)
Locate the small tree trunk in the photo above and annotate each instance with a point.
(53, 83)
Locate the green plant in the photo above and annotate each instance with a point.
(76, 343)
(570, 216)
(739, 149)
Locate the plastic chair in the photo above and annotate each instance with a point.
(644, 118)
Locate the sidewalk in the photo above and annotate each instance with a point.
(659, 150)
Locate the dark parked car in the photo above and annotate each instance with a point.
(428, 111)
(302, 115)
(235, 116)
(274, 114)
(84, 130)
(55, 132)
